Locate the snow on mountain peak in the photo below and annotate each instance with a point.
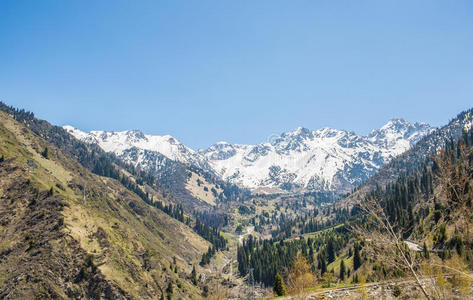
(399, 135)
(324, 159)
(396, 122)
(300, 131)
(118, 142)
(468, 121)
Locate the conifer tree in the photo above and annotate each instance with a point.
(194, 276)
(169, 289)
(322, 264)
(330, 252)
(356, 258)
(279, 287)
(205, 291)
(355, 278)
(342, 270)
(45, 153)
(426, 251)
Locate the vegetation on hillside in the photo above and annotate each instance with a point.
(70, 233)
(429, 206)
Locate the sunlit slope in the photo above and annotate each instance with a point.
(58, 241)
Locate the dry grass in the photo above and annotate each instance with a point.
(131, 249)
(199, 192)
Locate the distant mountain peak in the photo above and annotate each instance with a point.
(119, 141)
(323, 159)
(399, 131)
(301, 131)
(314, 159)
(395, 124)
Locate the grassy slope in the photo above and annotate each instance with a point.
(131, 243)
(198, 191)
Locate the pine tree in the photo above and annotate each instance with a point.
(356, 258)
(169, 290)
(342, 270)
(194, 276)
(45, 153)
(426, 251)
(205, 291)
(311, 255)
(330, 252)
(322, 264)
(279, 287)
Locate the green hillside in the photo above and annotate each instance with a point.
(68, 233)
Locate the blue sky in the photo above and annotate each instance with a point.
(206, 71)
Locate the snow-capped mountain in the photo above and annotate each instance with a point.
(325, 159)
(121, 143)
(426, 146)
(322, 160)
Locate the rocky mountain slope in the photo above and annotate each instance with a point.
(303, 159)
(424, 148)
(181, 171)
(68, 233)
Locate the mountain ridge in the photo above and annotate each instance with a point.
(426, 146)
(69, 233)
(322, 160)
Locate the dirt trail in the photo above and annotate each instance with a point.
(249, 230)
(382, 290)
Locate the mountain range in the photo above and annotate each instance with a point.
(300, 160)
(82, 218)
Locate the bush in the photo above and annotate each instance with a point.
(45, 153)
(396, 291)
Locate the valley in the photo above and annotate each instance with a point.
(240, 150)
(146, 217)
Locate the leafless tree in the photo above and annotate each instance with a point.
(454, 189)
(453, 178)
(300, 277)
(386, 240)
